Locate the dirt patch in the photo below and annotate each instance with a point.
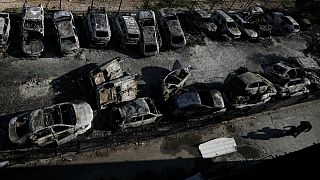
(186, 142)
(35, 88)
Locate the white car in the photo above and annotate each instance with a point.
(58, 124)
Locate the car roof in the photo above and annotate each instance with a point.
(187, 99)
(249, 78)
(224, 15)
(135, 108)
(165, 12)
(292, 20)
(202, 13)
(2, 24)
(131, 24)
(101, 21)
(33, 12)
(145, 14)
(60, 14)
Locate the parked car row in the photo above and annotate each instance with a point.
(114, 90)
(146, 29)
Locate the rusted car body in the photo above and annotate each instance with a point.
(97, 26)
(106, 72)
(32, 30)
(289, 81)
(171, 28)
(58, 124)
(204, 102)
(136, 113)
(150, 37)
(226, 24)
(116, 91)
(126, 30)
(66, 33)
(311, 67)
(174, 81)
(5, 27)
(202, 20)
(246, 89)
(258, 18)
(246, 28)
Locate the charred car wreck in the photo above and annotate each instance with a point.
(246, 89)
(66, 34)
(58, 124)
(126, 30)
(171, 28)
(4, 31)
(289, 81)
(150, 37)
(116, 91)
(32, 30)
(174, 81)
(203, 21)
(135, 113)
(193, 103)
(97, 26)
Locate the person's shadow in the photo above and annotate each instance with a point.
(266, 133)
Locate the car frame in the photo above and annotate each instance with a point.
(245, 27)
(245, 89)
(226, 24)
(97, 26)
(32, 30)
(58, 124)
(286, 79)
(171, 27)
(126, 29)
(66, 33)
(5, 26)
(119, 90)
(150, 37)
(203, 21)
(200, 102)
(138, 112)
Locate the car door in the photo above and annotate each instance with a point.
(63, 133)
(42, 137)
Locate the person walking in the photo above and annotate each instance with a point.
(294, 131)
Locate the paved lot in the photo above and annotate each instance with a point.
(177, 156)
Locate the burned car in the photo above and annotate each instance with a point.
(58, 124)
(174, 81)
(203, 21)
(203, 102)
(32, 30)
(126, 30)
(259, 21)
(246, 28)
(4, 31)
(135, 113)
(226, 24)
(311, 67)
(106, 72)
(246, 89)
(289, 81)
(171, 28)
(150, 37)
(283, 24)
(66, 33)
(116, 91)
(97, 26)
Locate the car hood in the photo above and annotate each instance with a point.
(33, 47)
(211, 27)
(251, 33)
(149, 35)
(234, 31)
(175, 28)
(83, 112)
